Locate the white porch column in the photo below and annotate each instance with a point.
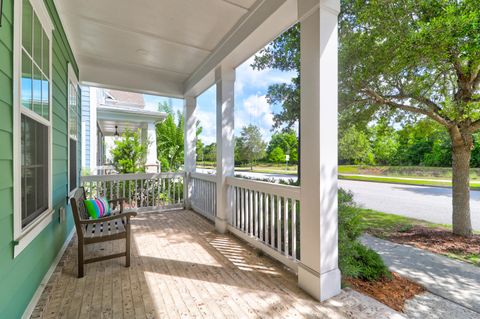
(318, 272)
(225, 79)
(190, 144)
(93, 130)
(151, 138)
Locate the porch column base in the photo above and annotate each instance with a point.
(221, 225)
(319, 286)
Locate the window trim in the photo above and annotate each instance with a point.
(23, 236)
(73, 78)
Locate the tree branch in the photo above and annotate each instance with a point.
(409, 108)
(475, 126)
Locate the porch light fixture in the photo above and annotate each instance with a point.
(116, 126)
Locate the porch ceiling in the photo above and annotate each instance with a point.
(163, 47)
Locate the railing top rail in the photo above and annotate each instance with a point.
(127, 177)
(206, 177)
(265, 187)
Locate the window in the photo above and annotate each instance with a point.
(34, 169)
(72, 128)
(32, 121)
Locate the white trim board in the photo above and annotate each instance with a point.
(23, 236)
(38, 293)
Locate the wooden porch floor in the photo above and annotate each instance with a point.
(182, 268)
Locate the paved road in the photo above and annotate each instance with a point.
(433, 204)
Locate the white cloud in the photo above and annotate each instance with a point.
(208, 122)
(256, 111)
(246, 76)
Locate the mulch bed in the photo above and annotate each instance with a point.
(436, 240)
(391, 292)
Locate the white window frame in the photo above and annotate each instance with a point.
(72, 77)
(23, 236)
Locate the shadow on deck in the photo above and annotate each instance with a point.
(182, 268)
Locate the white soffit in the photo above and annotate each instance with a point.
(157, 46)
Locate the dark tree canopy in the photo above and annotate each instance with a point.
(416, 57)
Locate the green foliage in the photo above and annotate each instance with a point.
(385, 143)
(355, 260)
(354, 147)
(411, 56)
(287, 141)
(250, 145)
(129, 154)
(423, 143)
(276, 155)
(170, 142)
(210, 152)
(165, 107)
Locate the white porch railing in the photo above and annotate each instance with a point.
(204, 194)
(143, 191)
(268, 213)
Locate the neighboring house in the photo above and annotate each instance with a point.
(106, 114)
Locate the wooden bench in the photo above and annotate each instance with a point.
(91, 231)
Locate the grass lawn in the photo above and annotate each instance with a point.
(475, 185)
(405, 171)
(258, 168)
(436, 238)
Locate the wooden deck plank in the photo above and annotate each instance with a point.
(181, 268)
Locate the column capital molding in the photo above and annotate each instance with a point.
(307, 7)
(224, 74)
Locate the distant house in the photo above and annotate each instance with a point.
(105, 115)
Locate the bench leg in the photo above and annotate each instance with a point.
(80, 260)
(127, 247)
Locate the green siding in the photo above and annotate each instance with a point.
(21, 276)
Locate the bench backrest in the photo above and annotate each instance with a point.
(78, 208)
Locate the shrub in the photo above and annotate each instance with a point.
(355, 260)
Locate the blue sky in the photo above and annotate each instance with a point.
(251, 106)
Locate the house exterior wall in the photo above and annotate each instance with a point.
(21, 276)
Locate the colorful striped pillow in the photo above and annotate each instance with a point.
(97, 208)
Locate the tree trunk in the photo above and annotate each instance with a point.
(461, 153)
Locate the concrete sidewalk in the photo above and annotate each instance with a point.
(452, 280)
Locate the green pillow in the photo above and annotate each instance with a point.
(97, 208)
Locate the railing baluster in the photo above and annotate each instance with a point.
(285, 226)
(169, 191)
(267, 219)
(174, 186)
(272, 220)
(255, 205)
(294, 228)
(279, 223)
(237, 211)
(246, 209)
(261, 216)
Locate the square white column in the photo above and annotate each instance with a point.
(190, 145)
(225, 79)
(151, 139)
(318, 272)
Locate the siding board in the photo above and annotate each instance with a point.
(21, 276)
